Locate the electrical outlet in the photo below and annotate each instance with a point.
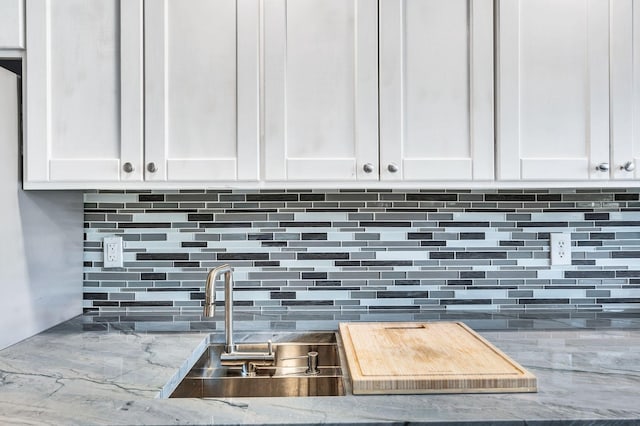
(560, 247)
(112, 251)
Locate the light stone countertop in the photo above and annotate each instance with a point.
(68, 376)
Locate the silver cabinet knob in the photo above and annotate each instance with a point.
(151, 167)
(368, 168)
(127, 167)
(629, 166)
(392, 168)
(603, 167)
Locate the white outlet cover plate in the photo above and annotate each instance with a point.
(112, 252)
(560, 247)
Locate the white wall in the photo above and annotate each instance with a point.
(41, 236)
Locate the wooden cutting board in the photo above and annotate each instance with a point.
(437, 357)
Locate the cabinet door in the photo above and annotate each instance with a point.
(83, 91)
(202, 89)
(11, 24)
(625, 90)
(321, 89)
(553, 89)
(436, 89)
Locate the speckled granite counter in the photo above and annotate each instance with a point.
(68, 375)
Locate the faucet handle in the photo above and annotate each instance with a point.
(270, 347)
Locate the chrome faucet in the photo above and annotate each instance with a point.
(230, 354)
(210, 301)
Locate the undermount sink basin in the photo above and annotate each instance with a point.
(286, 377)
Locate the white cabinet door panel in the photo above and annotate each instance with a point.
(635, 134)
(436, 89)
(202, 106)
(78, 117)
(553, 86)
(625, 90)
(321, 89)
(11, 24)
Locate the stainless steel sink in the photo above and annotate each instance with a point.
(288, 376)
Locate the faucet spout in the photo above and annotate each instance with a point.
(210, 300)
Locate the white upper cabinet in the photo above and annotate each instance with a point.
(83, 91)
(321, 90)
(201, 90)
(122, 93)
(436, 90)
(282, 93)
(11, 24)
(435, 94)
(558, 107)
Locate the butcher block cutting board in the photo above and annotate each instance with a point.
(436, 357)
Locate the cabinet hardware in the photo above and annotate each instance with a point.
(128, 167)
(629, 166)
(392, 168)
(151, 167)
(368, 168)
(603, 167)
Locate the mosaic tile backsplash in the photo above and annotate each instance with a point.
(363, 251)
